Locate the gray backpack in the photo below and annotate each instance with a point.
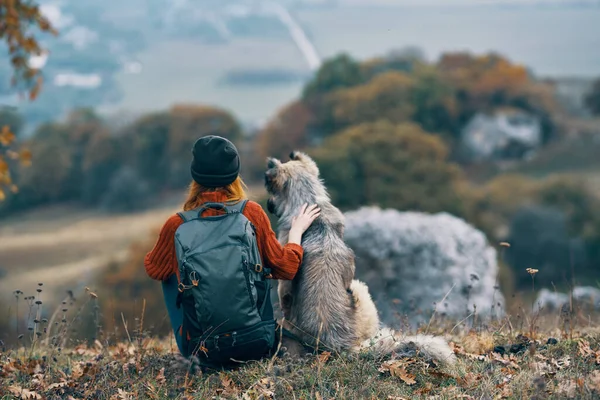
(223, 290)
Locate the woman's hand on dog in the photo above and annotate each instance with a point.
(302, 221)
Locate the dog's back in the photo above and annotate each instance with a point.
(322, 301)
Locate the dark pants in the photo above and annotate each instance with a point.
(175, 314)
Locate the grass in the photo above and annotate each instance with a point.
(149, 369)
(544, 359)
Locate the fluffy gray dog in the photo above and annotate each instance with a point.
(324, 304)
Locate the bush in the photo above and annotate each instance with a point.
(592, 99)
(540, 239)
(127, 192)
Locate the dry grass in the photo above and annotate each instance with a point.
(545, 358)
(148, 368)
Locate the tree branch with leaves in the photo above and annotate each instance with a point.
(18, 20)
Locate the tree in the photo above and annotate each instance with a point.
(386, 96)
(17, 19)
(338, 72)
(12, 119)
(10, 126)
(487, 82)
(397, 166)
(402, 60)
(592, 99)
(188, 123)
(102, 158)
(434, 102)
(149, 137)
(286, 132)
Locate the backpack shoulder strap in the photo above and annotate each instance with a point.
(237, 207)
(195, 213)
(188, 215)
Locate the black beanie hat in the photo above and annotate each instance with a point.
(215, 162)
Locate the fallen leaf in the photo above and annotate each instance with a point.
(424, 390)
(229, 387)
(260, 390)
(123, 395)
(567, 388)
(57, 385)
(324, 356)
(594, 381)
(584, 349)
(397, 368)
(23, 393)
(469, 380)
(160, 378)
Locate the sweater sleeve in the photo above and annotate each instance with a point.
(284, 261)
(161, 261)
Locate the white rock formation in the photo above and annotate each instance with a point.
(411, 260)
(550, 301)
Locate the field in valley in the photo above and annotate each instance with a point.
(65, 247)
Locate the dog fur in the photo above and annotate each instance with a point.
(324, 305)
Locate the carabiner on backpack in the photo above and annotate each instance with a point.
(193, 277)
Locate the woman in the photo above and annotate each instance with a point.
(215, 171)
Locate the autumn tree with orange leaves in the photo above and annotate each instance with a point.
(18, 18)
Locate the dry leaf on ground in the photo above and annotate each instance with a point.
(263, 390)
(160, 378)
(594, 381)
(22, 393)
(323, 357)
(397, 368)
(567, 389)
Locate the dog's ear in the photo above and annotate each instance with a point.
(273, 163)
(306, 160)
(271, 173)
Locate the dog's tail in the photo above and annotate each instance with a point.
(367, 318)
(386, 341)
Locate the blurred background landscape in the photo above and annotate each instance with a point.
(486, 110)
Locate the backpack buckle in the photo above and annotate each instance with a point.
(258, 268)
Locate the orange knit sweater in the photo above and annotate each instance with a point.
(161, 261)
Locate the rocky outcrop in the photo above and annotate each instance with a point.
(412, 260)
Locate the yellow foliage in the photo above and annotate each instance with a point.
(7, 139)
(387, 96)
(17, 18)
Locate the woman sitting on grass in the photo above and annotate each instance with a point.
(215, 171)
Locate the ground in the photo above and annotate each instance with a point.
(547, 367)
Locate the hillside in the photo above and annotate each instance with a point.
(71, 244)
(65, 247)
